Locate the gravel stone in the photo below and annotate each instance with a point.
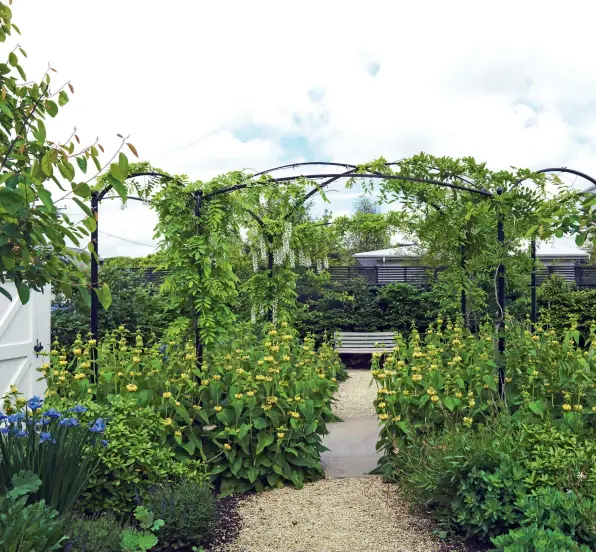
(355, 396)
(337, 514)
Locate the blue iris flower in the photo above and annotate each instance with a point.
(22, 434)
(17, 417)
(45, 437)
(69, 422)
(104, 443)
(35, 403)
(4, 430)
(53, 413)
(78, 409)
(99, 426)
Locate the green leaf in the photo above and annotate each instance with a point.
(84, 207)
(66, 170)
(490, 382)
(90, 223)
(559, 233)
(82, 163)
(13, 59)
(262, 444)
(118, 186)
(40, 133)
(6, 110)
(106, 296)
(86, 297)
(24, 292)
(5, 293)
(580, 239)
(62, 98)
(537, 407)
(8, 262)
(81, 189)
(47, 163)
(51, 108)
(123, 163)
(46, 198)
(11, 200)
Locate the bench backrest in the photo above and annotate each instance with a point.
(364, 342)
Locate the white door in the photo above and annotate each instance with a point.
(22, 327)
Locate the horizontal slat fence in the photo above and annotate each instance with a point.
(584, 276)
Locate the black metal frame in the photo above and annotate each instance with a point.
(352, 171)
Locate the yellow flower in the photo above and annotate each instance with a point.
(458, 395)
(594, 409)
(136, 359)
(77, 351)
(396, 419)
(204, 382)
(123, 348)
(250, 394)
(61, 378)
(383, 416)
(471, 403)
(21, 401)
(216, 377)
(431, 392)
(382, 405)
(286, 357)
(131, 387)
(178, 433)
(167, 422)
(218, 408)
(120, 374)
(227, 447)
(92, 342)
(79, 376)
(295, 414)
(238, 396)
(334, 380)
(197, 407)
(166, 395)
(266, 407)
(566, 407)
(416, 377)
(184, 375)
(578, 407)
(434, 399)
(63, 363)
(189, 356)
(177, 404)
(240, 371)
(131, 373)
(468, 421)
(272, 332)
(89, 391)
(508, 379)
(13, 389)
(280, 435)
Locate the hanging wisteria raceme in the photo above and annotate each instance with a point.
(255, 261)
(326, 262)
(263, 249)
(319, 266)
(287, 235)
(292, 259)
(278, 257)
(253, 315)
(274, 312)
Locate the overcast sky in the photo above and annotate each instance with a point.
(204, 87)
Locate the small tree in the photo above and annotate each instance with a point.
(33, 233)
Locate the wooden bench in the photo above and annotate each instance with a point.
(364, 342)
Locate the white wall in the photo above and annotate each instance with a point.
(21, 326)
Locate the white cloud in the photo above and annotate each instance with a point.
(511, 84)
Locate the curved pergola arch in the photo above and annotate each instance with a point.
(326, 178)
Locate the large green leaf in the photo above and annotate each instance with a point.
(24, 292)
(11, 199)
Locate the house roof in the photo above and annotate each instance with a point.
(397, 253)
(556, 248)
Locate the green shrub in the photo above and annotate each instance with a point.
(568, 512)
(187, 508)
(534, 538)
(254, 412)
(141, 536)
(28, 527)
(134, 459)
(96, 533)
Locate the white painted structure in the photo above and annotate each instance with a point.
(22, 327)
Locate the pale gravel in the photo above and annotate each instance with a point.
(337, 514)
(354, 399)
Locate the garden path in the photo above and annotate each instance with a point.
(350, 513)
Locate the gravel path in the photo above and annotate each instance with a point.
(337, 514)
(355, 396)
